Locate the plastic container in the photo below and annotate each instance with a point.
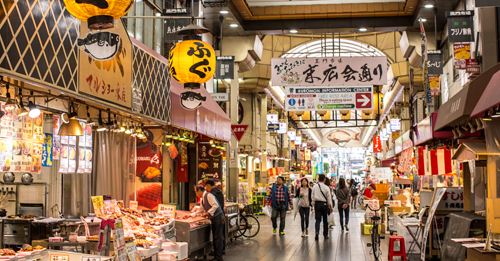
(181, 248)
(167, 256)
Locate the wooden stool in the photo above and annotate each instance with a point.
(401, 252)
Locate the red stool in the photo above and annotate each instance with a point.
(401, 252)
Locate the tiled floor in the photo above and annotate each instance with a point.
(341, 246)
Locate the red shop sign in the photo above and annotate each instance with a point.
(377, 144)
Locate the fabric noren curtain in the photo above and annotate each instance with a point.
(114, 165)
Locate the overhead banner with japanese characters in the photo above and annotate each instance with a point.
(434, 62)
(328, 98)
(460, 26)
(329, 71)
(108, 80)
(461, 53)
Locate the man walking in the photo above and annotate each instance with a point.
(279, 198)
(322, 200)
(211, 209)
(210, 186)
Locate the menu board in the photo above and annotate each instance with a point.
(36, 157)
(38, 128)
(6, 124)
(209, 162)
(71, 158)
(17, 127)
(27, 128)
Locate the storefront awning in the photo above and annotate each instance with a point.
(208, 119)
(471, 150)
(458, 109)
(425, 131)
(490, 97)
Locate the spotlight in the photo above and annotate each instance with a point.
(472, 128)
(101, 126)
(128, 129)
(460, 133)
(496, 112)
(455, 134)
(9, 104)
(480, 124)
(465, 128)
(89, 120)
(34, 111)
(22, 111)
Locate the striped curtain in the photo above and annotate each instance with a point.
(434, 162)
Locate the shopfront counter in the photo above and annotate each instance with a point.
(195, 232)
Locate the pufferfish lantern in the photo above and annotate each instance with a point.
(192, 63)
(99, 14)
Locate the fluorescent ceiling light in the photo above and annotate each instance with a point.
(423, 20)
(362, 29)
(370, 130)
(233, 25)
(428, 6)
(224, 12)
(293, 31)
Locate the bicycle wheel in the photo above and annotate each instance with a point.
(361, 199)
(242, 227)
(253, 226)
(376, 243)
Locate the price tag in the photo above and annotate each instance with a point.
(119, 239)
(133, 255)
(133, 205)
(59, 257)
(166, 210)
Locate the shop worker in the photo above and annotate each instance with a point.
(210, 186)
(211, 209)
(279, 199)
(323, 205)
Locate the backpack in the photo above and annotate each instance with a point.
(354, 191)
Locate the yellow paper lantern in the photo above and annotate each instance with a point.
(99, 14)
(192, 63)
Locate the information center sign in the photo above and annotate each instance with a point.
(328, 98)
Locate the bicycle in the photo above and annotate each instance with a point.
(375, 244)
(248, 225)
(361, 196)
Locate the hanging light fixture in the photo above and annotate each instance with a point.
(133, 129)
(101, 126)
(22, 111)
(169, 142)
(73, 127)
(192, 63)
(128, 129)
(9, 104)
(89, 120)
(169, 133)
(174, 135)
(98, 14)
(34, 111)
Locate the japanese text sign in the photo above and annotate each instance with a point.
(166, 210)
(224, 67)
(328, 98)
(377, 144)
(434, 85)
(329, 71)
(47, 150)
(109, 80)
(460, 26)
(461, 52)
(239, 130)
(210, 162)
(472, 66)
(434, 62)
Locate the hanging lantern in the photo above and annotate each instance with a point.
(192, 63)
(98, 14)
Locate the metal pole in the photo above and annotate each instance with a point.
(435, 26)
(221, 19)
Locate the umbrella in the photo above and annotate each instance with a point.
(295, 202)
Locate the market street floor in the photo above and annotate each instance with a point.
(341, 246)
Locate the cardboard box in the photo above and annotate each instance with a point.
(366, 228)
(181, 248)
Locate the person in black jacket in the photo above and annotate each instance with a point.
(304, 193)
(210, 186)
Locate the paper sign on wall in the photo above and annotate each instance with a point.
(166, 210)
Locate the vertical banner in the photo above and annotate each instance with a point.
(149, 172)
(36, 157)
(17, 126)
(27, 128)
(38, 128)
(56, 139)
(183, 165)
(377, 144)
(434, 85)
(47, 150)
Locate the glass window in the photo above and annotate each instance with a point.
(148, 27)
(139, 23)
(158, 35)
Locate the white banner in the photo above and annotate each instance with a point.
(329, 71)
(328, 98)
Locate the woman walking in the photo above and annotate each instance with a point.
(354, 193)
(344, 198)
(304, 193)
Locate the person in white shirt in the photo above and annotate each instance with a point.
(211, 209)
(322, 200)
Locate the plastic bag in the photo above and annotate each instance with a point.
(267, 210)
(331, 220)
(295, 203)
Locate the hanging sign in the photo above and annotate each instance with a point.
(434, 85)
(434, 62)
(273, 126)
(377, 144)
(338, 71)
(388, 128)
(172, 26)
(298, 140)
(291, 134)
(283, 126)
(191, 100)
(210, 162)
(472, 66)
(395, 124)
(239, 130)
(224, 67)
(487, 3)
(47, 150)
(461, 52)
(272, 117)
(460, 26)
(370, 161)
(328, 98)
(220, 96)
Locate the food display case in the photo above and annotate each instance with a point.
(195, 232)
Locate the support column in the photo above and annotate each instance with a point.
(263, 139)
(232, 177)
